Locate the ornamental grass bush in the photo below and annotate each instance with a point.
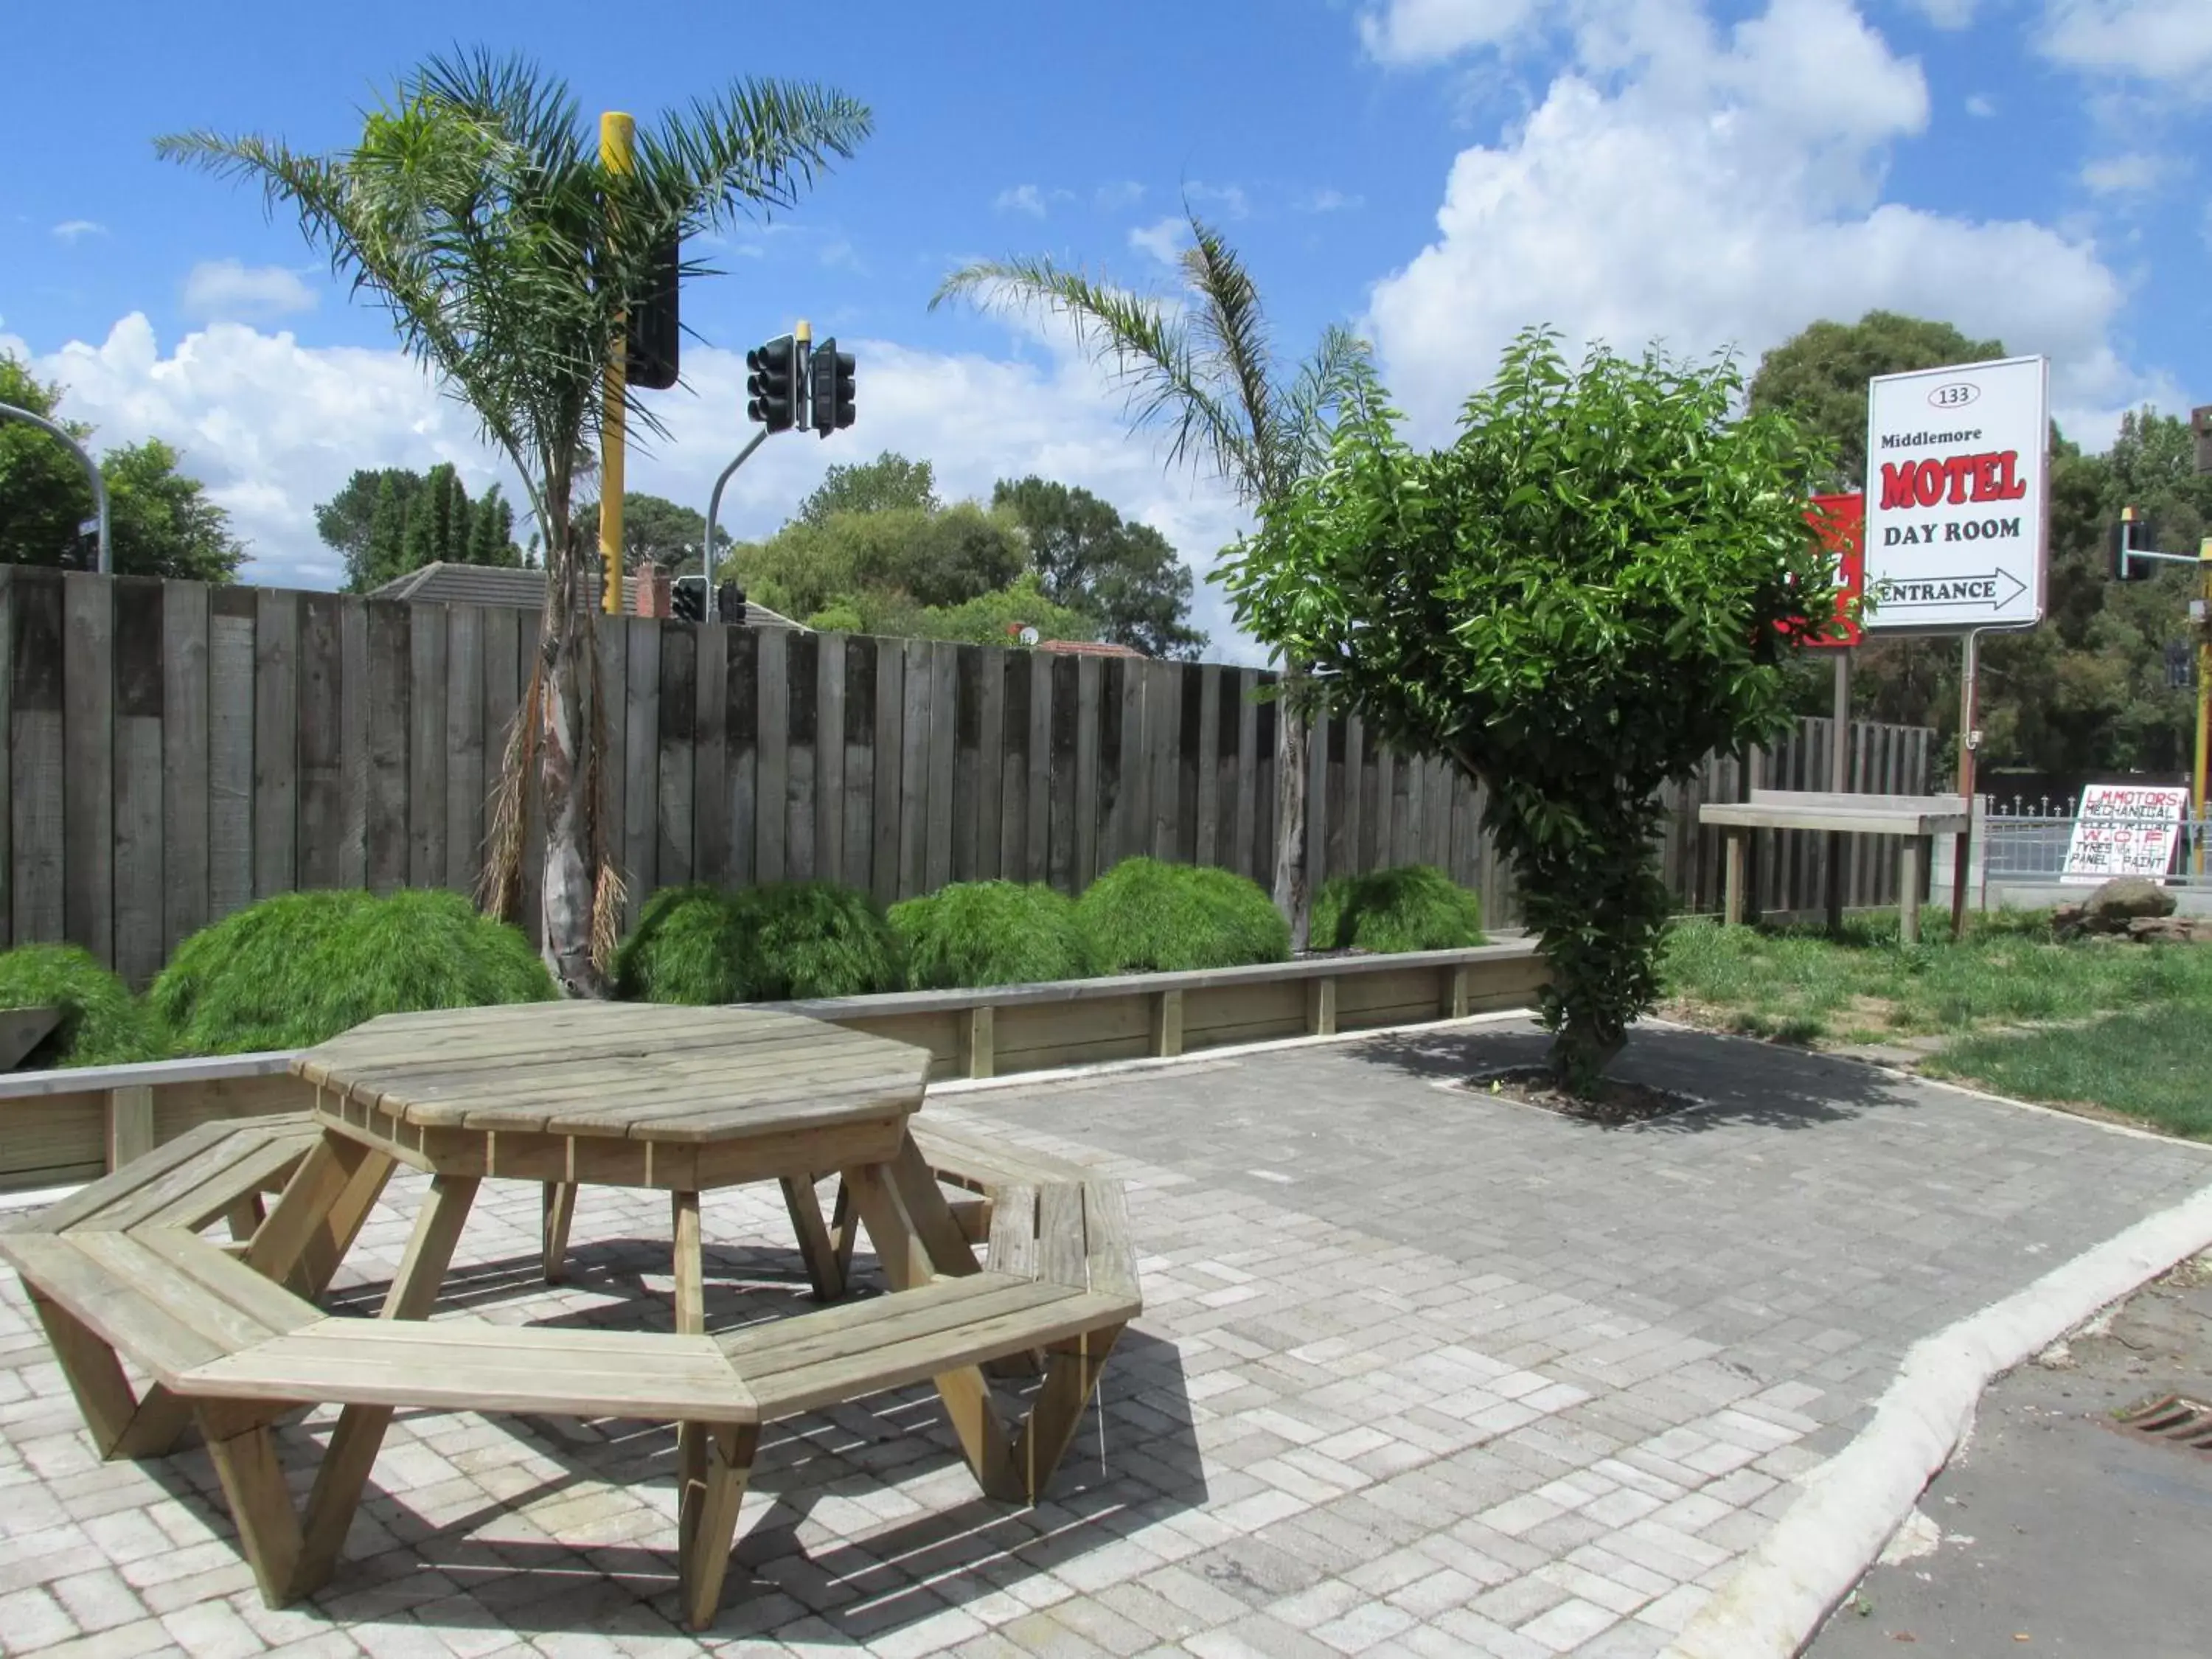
(1145, 916)
(708, 946)
(300, 968)
(990, 933)
(1414, 907)
(101, 1022)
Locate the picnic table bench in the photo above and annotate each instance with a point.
(1915, 818)
(230, 1334)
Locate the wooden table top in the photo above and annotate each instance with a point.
(634, 1071)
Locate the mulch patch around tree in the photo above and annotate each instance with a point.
(1618, 1103)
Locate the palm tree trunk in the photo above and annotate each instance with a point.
(566, 784)
(1292, 742)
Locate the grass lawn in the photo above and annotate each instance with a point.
(2133, 1024)
(2155, 1065)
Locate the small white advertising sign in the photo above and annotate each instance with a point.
(1955, 502)
(2120, 829)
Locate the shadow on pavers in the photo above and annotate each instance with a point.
(1738, 1081)
(1135, 1450)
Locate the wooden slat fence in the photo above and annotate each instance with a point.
(174, 752)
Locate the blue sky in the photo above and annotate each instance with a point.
(1437, 173)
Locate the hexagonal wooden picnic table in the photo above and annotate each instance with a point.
(681, 1099)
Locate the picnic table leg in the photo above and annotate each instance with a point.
(967, 1394)
(558, 1211)
(1737, 839)
(1071, 1375)
(244, 1454)
(714, 1462)
(825, 1265)
(1908, 878)
(360, 1429)
(282, 1244)
(690, 1272)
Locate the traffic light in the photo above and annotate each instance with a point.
(830, 388)
(774, 374)
(687, 599)
(649, 353)
(2131, 538)
(730, 605)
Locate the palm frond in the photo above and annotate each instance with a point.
(1232, 330)
(1148, 347)
(1339, 377)
(756, 147)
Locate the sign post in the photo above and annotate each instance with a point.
(1840, 523)
(1957, 520)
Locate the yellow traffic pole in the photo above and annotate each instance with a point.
(2203, 694)
(617, 135)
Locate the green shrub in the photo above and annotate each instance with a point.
(990, 933)
(1143, 916)
(102, 1024)
(1415, 907)
(708, 945)
(300, 968)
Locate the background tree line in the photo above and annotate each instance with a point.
(873, 550)
(161, 522)
(2088, 691)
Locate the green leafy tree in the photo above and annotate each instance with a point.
(1203, 368)
(887, 561)
(998, 617)
(389, 520)
(475, 209)
(161, 522)
(1088, 558)
(1819, 378)
(655, 531)
(878, 486)
(1575, 602)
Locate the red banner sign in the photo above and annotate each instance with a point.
(1840, 523)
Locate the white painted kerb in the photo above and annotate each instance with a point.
(1851, 1504)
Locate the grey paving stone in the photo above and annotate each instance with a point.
(1420, 1371)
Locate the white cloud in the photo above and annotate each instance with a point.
(1021, 199)
(1428, 31)
(229, 291)
(1163, 239)
(1229, 198)
(2163, 40)
(1329, 201)
(73, 231)
(274, 426)
(2133, 174)
(1981, 108)
(1117, 197)
(1947, 14)
(1723, 191)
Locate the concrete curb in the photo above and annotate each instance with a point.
(1852, 1504)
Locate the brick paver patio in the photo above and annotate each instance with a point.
(1420, 1371)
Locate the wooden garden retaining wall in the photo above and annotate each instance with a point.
(60, 1127)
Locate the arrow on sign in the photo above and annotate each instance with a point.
(1996, 589)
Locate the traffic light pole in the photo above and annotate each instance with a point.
(9, 411)
(713, 511)
(617, 134)
(2203, 694)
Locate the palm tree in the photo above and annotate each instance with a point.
(476, 209)
(1201, 366)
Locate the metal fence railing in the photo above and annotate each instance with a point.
(2027, 841)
